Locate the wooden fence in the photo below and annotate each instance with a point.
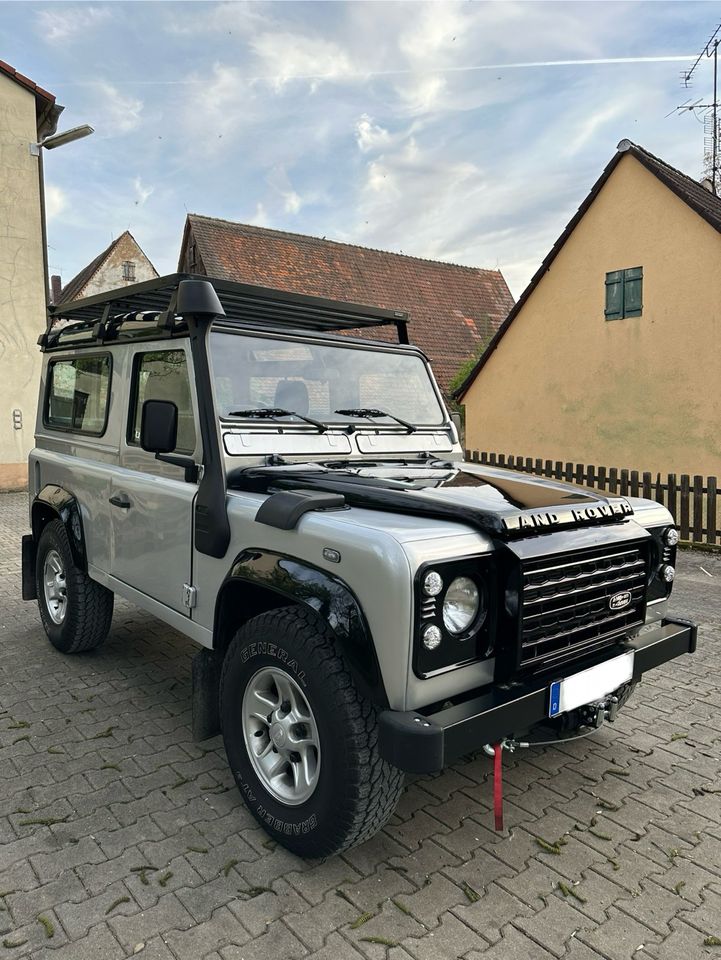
(693, 501)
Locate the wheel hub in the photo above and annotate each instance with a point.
(55, 586)
(281, 735)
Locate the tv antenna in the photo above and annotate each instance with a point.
(706, 113)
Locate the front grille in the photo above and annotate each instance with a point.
(565, 608)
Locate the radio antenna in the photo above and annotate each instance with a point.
(708, 111)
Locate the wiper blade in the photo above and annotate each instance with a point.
(370, 413)
(273, 413)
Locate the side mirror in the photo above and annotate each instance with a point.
(159, 426)
(457, 422)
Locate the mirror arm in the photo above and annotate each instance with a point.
(188, 464)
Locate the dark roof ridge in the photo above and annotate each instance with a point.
(663, 172)
(342, 243)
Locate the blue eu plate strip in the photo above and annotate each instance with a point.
(554, 703)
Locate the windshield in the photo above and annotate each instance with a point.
(316, 380)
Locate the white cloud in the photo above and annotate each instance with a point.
(260, 217)
(141, 191)
(60, 24)
(370, 135)
(287, 56)
(55, 201)
(121, 112)
(292, 202)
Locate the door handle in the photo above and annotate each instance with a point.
(121, 501)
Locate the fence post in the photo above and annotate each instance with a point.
(591, 475)
(685, 505)
(569, 473)
(698, 509)
(658, 495)
(613, 480)
(579, 474)
(624, 483)
(538, 468)
(711, 493)
(647, 486)
(548, 468)
(558, 470)
(672, 492)
(601, 478)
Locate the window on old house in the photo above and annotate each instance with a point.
(128, 270)
(624, 293)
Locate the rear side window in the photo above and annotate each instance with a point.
(78, 392)
(163, 375)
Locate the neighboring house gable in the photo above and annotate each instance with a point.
(453, 309)
(120, 264)
(584, 370)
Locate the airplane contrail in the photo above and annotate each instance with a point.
(344, 74)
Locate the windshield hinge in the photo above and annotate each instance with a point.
(190, 596)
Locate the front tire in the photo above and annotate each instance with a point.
(301, 741)
(76, 612)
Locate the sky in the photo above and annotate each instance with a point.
(468, 132)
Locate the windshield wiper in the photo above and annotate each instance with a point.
(369, 413)
(272, 413)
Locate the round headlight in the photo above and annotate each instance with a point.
(667, 573)
(671, 537)
(461, 605)
(431, 637)
(432, 583)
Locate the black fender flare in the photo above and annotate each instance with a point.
(55, 502)
(277, 578)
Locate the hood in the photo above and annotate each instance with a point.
(503, 503)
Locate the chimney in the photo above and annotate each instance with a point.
(55, 288)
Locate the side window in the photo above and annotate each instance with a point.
(163, 375)
(78, 391)
(624, 293)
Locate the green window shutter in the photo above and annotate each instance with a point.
(633, 291)
(614, 295)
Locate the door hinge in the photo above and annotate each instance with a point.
(190, 596)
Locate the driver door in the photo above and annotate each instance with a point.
(151, 504)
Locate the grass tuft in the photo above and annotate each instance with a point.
(228, 867)
(47, 926)
(108, 732)
(569, 891)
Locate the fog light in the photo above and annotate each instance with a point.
(432, 583)
(431, 637)
(667, 573)
(671, 537)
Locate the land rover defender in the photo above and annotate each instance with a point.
(246, 465)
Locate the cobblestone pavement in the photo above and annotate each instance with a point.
(119, 834)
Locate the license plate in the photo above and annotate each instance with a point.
(590, 685)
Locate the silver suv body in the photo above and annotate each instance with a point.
(296, 501)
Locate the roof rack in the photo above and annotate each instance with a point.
(144, 308)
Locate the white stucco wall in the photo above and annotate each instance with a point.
(22, 293)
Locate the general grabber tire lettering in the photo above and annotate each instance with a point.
(76, 612)
(355, 791)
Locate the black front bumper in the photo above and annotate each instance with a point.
(426, 743)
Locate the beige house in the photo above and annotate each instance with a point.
(27, 114)
(612, 355)
(119, 265)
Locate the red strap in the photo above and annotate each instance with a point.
(498, 786)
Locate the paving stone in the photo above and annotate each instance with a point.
(620, 937)
(99, 943)
(450, 939)
(220, 930)
(168, 914)
(555, 925)
(489, 915)
(276, 942)
(515, 945)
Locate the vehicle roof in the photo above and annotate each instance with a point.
(100, 318)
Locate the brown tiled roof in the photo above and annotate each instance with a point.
(696, 196)
(74, 287)
(26, 82)
(452, 308)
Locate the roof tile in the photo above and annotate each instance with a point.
(452, 308)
